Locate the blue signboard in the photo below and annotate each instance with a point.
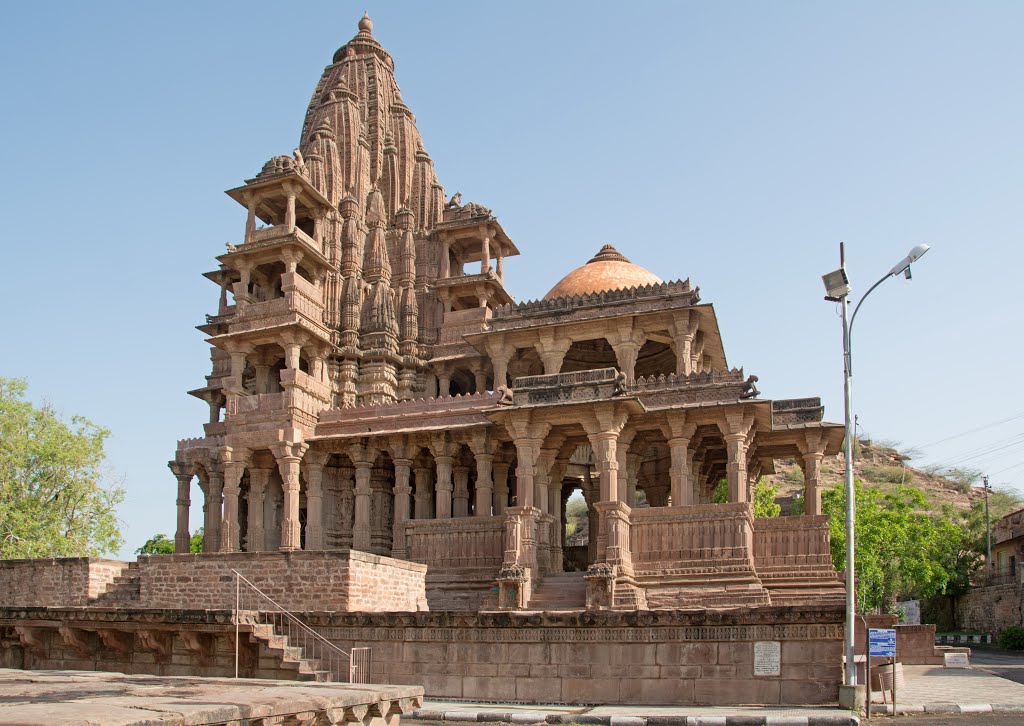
(882, 642)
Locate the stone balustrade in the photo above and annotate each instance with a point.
(259, 402)
(276, 234)
(460, 542)
(699, 532)
(792, 541)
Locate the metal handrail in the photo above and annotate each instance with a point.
(329, 653)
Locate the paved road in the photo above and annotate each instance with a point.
(953, 719)
(999, 662)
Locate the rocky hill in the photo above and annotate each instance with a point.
(880, 467)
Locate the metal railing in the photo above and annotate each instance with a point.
(326, 661)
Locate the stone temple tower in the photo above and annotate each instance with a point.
(347, 237)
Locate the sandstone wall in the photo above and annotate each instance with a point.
(603, 657)
(297, 581)
(56, 582)
(678, 657)
(990, 609)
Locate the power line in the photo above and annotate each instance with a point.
(971, 431)
(1013, 466)
(983, 451)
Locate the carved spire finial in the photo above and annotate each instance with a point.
(365, 23)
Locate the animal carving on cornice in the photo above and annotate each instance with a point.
(507, 397)
(750, 388)
(455, 202)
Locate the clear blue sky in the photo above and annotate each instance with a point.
(732, 143)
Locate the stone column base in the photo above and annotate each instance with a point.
(852, 697)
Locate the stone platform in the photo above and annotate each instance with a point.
(57, 698)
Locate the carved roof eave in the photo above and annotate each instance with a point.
(455, 233)
(222, 274)
(268, 251)
(271, 335)
(712, 339)
(489, 281)
(631, 405)
(307, 194)
(788, 433)
(446, 413)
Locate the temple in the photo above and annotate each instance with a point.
(375, 387)
(392, 441)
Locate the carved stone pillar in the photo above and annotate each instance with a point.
(289, 459)
(460, 505)
(736, 467)
(443, 487)
(679, 474)
(499, 364)
(812, 483)
(212, 511)
(314, 469)
(484, 487)
(257, 491)
(500, 494)
(626, 354)
(604, 445)
(403, 468)
(527, 452)
(361, 529)
(182, 537)
(552, 354)
(444, 383)
(424, 494)
(480, 378)
(233, 472)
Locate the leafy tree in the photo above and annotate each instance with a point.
(158, 544)
(900, 548)
(161, 544)
(52, 499)
(764, 500)
(721, 495)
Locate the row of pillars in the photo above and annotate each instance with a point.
(441, 492)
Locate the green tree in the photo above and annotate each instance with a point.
(764, 500)
(158, 544)
(900, 548)
(52, 499)
(161, 544)
(721, 495)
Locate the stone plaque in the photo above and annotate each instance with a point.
(956, 660)
(767, 658)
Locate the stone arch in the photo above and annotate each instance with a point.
(585, 355)
(655, 359)
(525, 362)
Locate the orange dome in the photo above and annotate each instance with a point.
(607, 270)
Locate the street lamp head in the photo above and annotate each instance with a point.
(903, 266)
(837, 284)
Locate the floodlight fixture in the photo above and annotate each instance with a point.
(837, 285)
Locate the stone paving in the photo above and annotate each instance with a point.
(82, 698)
(934, 689)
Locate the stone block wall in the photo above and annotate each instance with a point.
(671, 657)
(56, 582)
(990, 609)
(298, 581)
(169, 643)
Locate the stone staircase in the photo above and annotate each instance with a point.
(560, 591)
(291, 657)
(728, 582)
(124, 589)
(788, 586)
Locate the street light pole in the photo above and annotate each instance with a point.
(988, 531)
(838, 290)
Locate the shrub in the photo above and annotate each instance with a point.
(1012, 638)
(890, 474)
